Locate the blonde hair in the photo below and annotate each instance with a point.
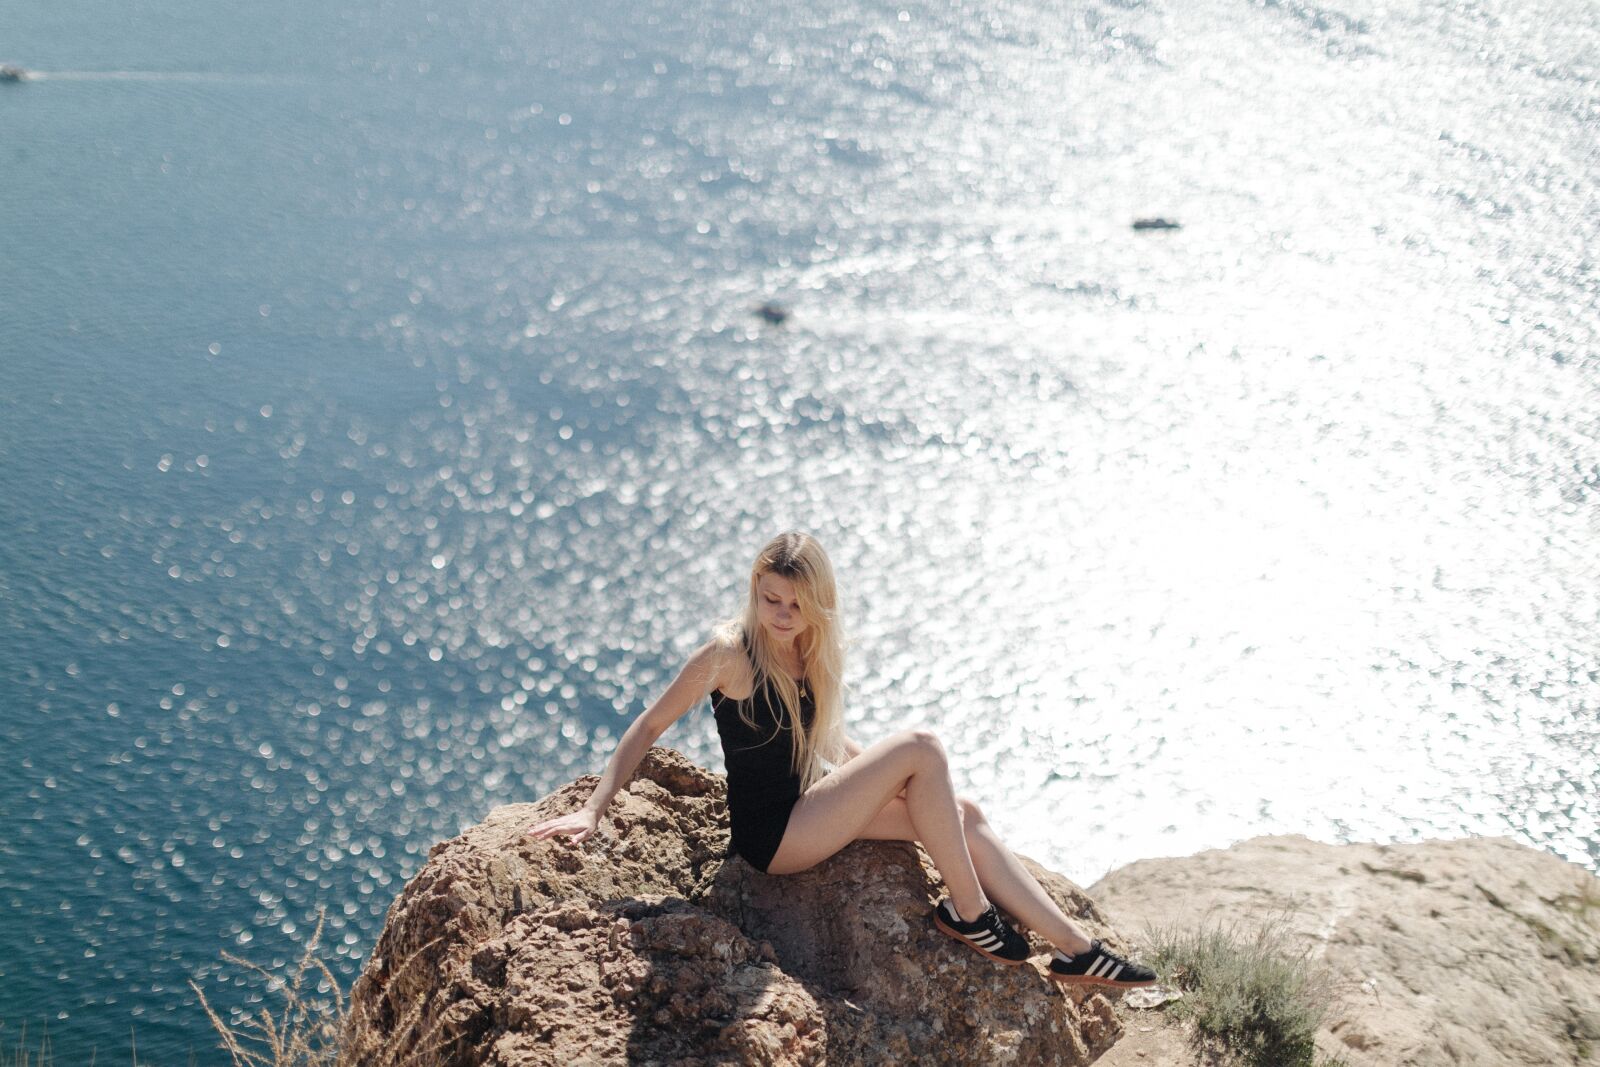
(798, 558)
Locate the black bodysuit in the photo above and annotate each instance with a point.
(762, 786)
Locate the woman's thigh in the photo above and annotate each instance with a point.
(892, 823)
(841, 807)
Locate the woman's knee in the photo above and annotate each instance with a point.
(971, 814)
(923, 745)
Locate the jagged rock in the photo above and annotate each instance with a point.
(647, 945)
(1479, 951)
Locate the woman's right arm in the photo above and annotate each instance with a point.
(699, 676)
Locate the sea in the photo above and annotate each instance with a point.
(1199, 402)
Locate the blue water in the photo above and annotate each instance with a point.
(384, 419)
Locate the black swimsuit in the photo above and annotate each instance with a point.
(762, 787)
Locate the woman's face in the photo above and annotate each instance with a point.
(778, 608)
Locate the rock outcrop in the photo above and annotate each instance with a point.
(647, 944)
(1480, 951)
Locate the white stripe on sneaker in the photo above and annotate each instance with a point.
(984, 939)
(1101, 966)
(1112, 977)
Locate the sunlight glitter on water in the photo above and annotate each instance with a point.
(1282, 521)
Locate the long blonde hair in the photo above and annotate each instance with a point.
(798, 558)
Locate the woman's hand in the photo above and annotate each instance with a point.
(576, 826)
(704, 671)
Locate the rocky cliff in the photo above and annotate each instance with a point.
(647, 944)
(1479, 951)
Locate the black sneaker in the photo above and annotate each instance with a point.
(988, 934)
(1100, 966)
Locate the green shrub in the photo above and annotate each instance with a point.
(1247, 990)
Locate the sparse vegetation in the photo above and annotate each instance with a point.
(312, 1023)
(305, 1033)
(17, 1052)
(1575, 945)
(1584, 901)
(1249, 992)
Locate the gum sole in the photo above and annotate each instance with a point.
(1078, 979)
(943, 929)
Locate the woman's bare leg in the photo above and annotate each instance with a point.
(834, 812)
(1003, 877)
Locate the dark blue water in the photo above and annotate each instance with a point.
(384, 418)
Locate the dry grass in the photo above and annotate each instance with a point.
(308, 1032)
(1584, 901)
(21, 1054)
(428, 1049)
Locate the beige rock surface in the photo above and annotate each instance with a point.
(1159, 1039)
(1478, 951)
(646, 945)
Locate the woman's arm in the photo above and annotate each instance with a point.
(699, 676)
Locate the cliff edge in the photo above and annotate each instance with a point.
(1444, 953)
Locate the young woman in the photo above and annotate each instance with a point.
(774, 680)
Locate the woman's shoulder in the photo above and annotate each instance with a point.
(726, 646)
(728, 662)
